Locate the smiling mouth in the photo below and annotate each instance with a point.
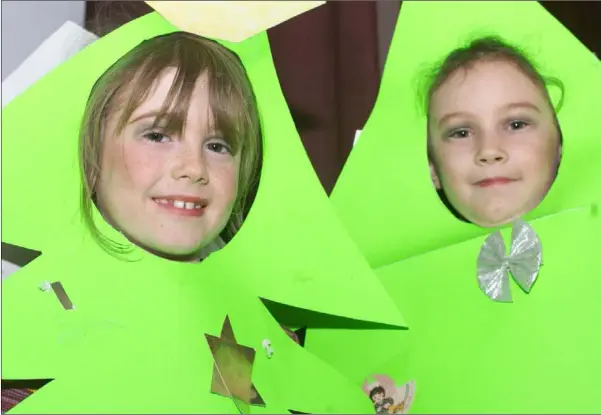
(183, 206)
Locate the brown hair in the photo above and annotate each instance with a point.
(486, 49)
(126, 85)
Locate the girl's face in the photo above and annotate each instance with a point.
(171, 195)
(495, 145)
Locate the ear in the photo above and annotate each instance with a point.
(434, 176)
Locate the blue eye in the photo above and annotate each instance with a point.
(156, 137)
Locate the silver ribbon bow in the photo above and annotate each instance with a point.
(524, 261)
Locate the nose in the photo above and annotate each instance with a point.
(190, 165)
(490, 150)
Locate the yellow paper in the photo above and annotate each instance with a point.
(233, 21)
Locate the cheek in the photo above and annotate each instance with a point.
(111, 166)
(453, 165)
(232, 182)
(226, 180)
(133, 166)
(538, 157)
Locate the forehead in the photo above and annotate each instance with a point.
(485, 86)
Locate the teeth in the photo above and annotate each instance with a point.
(180, 204)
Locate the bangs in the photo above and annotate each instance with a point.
(228, 94)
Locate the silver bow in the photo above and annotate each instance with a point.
(524, 261)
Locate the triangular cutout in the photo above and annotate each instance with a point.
(290, 316)
(301, 335)
(16, 391)
(18, 255)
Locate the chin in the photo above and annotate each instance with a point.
(494, 221)
(178, 251)
(186, 248)
(178, 255)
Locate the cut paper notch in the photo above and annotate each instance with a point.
(62, 296)
(18, 255)
(15, 391)
(233, 21)
(232, 371)
(15, 257)
(297, 336)
(292, 316)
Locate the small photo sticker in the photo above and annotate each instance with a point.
(387, 397)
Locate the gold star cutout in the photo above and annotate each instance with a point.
(232, 371)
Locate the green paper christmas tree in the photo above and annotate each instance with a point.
(466, 353)
(136, 339)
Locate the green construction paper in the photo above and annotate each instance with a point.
(467, 353)
(384, 195)
(307, 249)
(136, 340)
(539, 354)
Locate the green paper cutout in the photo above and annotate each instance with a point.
(289, 229)
(138, 325)
(386, 179)
(466, 353)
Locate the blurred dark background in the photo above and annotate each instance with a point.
(329, 62)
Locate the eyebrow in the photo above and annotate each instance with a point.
(509, 106)
(151, 114)
(450, 115)
(522, 105)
